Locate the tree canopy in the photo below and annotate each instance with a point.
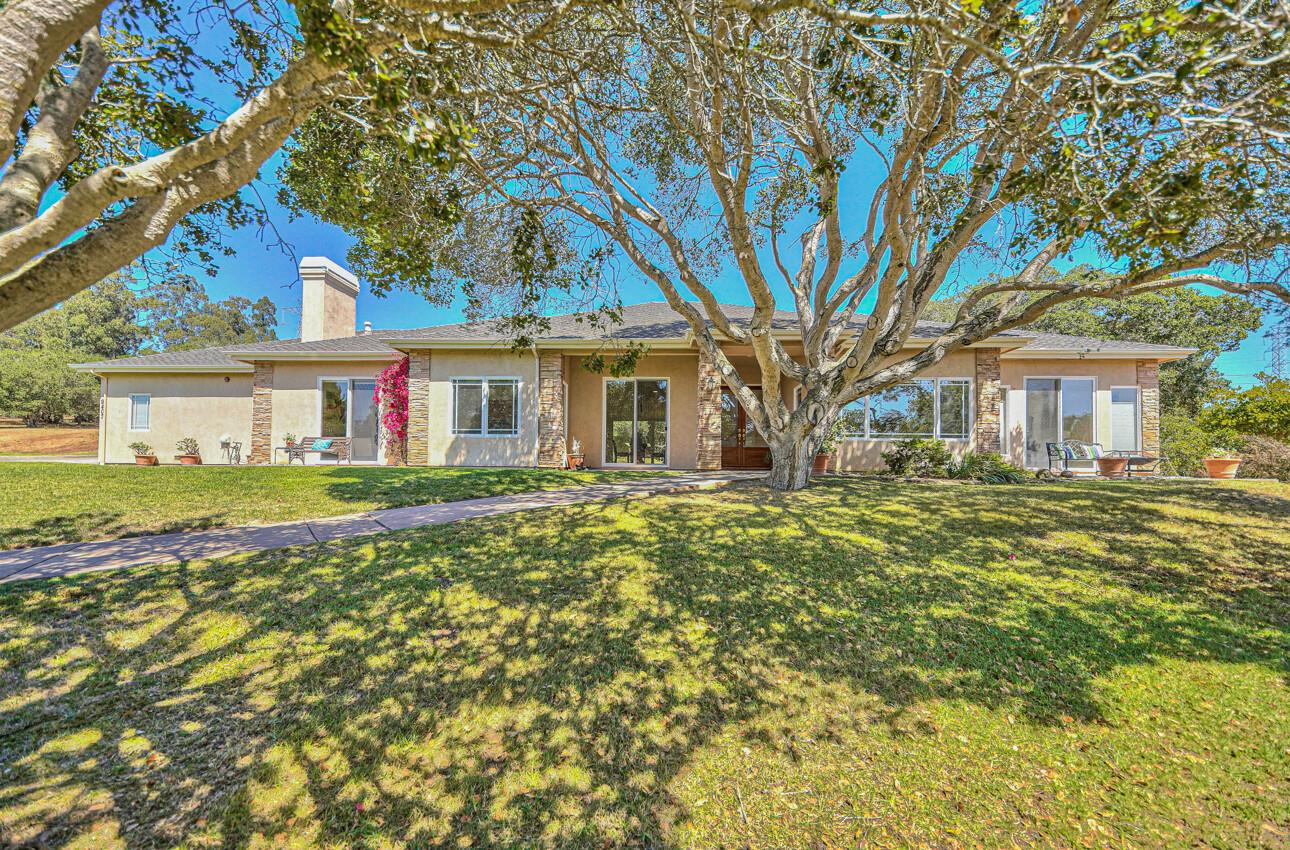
(854, 157)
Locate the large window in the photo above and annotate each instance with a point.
(485, 406)
(349, 409)
(140, 411)
(1057, 409)
(926, 407)
(636, 421)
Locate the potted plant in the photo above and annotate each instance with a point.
(824, 454)
(188, 452)
(143, 454)
(575, 458)
(1222, 463)
(290, 438)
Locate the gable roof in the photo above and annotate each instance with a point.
(652, 321)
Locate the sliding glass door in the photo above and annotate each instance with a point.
(1057, 409)
(349, 410)
(636, 421)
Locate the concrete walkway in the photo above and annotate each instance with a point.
(75, 558)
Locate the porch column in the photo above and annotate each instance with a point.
(261, 413)
(419, 408)
(709, 448)
(989, 398)
(551, 451)
(1149, 390)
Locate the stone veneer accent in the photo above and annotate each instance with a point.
(419, 408)
(261, 414)
(989, 398)
(551, 426)
(1149, 387)
(709, 447)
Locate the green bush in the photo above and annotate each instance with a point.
(986, 467)
(921, 458)
(1264, 457)
(187, 446)
(1185, 443)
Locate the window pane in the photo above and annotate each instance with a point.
(1124, 419)
(1077, 410)
(729, 419)
(905, 410)
(852, 419)
(501, 407)
(651, 422)
(954, 409)
(468, 407)
(335, 404)
(752, 438)
(620, 405)
(1042, 423)
(140, 410)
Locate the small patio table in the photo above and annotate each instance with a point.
(1139, 463)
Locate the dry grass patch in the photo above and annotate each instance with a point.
(17, 440)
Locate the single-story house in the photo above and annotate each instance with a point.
(474, 401)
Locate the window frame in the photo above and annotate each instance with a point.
(968, 382)
(484, 381)
(604, 418)
(1137, 416)
(147, 426)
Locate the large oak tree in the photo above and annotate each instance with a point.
(858, 158)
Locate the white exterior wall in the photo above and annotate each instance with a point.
(297, 398)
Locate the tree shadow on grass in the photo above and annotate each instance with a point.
(95, 525)
(541, 679)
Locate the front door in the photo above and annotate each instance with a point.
(741, 446)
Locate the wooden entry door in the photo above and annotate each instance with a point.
(741, 446)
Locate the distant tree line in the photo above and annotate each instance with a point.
(114, 318)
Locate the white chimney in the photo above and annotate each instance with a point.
(328, 307)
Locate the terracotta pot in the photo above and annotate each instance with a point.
(190, 460)
(1112, 467)
(145, 460)
(821, 464)
(1221, 467)
(576, 461)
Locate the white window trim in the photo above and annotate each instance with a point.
(1137, 415)
(1025, 413)
(936, 403)
(604, 421)
(349, 414)
(482, 433)
(130, 421)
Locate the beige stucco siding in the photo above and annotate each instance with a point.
(201, 406)
(449, 449)
(587, 405)
(297, 397)
(1106, 373)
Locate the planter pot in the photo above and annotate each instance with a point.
(1113, 467)
(576, 461)
(821, 464)
(190, 460)
(145, 460)
(1221, 467)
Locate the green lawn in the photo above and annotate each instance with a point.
(45, 503)
(859, 664)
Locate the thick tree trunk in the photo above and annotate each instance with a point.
(791, 456)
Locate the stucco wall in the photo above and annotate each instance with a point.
(587, 405)
(297, 398)
(201, 406)
(449, 449)
(1106, 373)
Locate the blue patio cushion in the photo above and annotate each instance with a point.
(321, 445)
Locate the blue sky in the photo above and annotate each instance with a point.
(260, 268)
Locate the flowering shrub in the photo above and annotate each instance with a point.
(392, 394)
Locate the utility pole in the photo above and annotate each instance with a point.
(1278, 348)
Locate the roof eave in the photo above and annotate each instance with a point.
(109, 368)
(1092, 354)
(313, 355)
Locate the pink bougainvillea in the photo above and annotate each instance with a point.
(392, 395)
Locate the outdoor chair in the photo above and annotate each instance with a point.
(1061, 454)
(339, 448)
